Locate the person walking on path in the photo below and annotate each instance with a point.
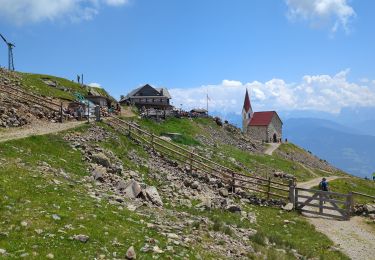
(323, 185)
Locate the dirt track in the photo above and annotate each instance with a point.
(39, 128)
(355, 237)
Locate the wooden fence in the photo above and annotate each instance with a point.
(323, 203)
(34, 99)
(194, 161)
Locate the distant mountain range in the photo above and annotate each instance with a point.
(345, 147)
(346, 140)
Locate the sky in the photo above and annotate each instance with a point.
(315, 55)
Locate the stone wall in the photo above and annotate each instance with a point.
(258, 133)
(275, 127)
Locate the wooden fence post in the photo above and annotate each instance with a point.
(191, 161)
(349, 205)
(233, 183)
(292, 188)
(268, 188)
(295, 198)
(321, 202)
(130, 130)
(61, 113)
(152, 142)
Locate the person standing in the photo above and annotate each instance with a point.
(323, 185)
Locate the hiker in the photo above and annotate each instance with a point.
(323, 185)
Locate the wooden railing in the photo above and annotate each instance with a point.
(326, 201)
(194, 161)
(34, 99)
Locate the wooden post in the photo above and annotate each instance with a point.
(61, 113)
(295, 198)
(349, 205)
(291, 191)
(130, 132)
(152, 142)
(321, 202)
(88, 112)
(191, 161)
(233, 184)
(268, 188)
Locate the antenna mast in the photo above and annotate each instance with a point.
(10, 53)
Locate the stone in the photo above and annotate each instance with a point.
(50, 256)
(121, 185)
(81, 238)
(288, 207)
(98, 173)
(24, 223)
(224, 192)
(132, 189)
(3, 251)
(233, 208)
(157, 250)
(101, 159)
(194, 185)
(151, 193)
(130, 253)
(370, 208)
(205, 204)
(56, 217)
(172, 236)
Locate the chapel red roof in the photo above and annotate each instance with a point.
(262, 118)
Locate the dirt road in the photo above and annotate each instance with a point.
(39, 128)
(354, 237)
(271, 148)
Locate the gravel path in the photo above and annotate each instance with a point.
(38, 128)
(271, 148)
(355, 237)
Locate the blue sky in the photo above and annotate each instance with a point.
(290, 54)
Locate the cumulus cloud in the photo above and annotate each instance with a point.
(24, 11)
(95, 85)
(335, 13)
(314, 92)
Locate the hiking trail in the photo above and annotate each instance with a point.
(37, 128)
(354, 237)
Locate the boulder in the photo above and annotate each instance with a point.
(288, 207)
(130, 253)
(81, 238)
(224, 192)
(132, 189)
(195, 185)
(101, 159)
(98, 173)
(151, 194)
(205, 204)
(234, 208)
(370, 208)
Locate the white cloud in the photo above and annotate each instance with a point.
(335, 13)
(24, 11)
(95, 85)
(314, 92)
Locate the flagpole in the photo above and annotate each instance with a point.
(207, 104)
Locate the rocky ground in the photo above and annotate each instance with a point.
(178, 187)
(230, 135)
(16, 112)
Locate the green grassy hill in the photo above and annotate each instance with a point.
(64, 89)
(47, 196)
(45, 203)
